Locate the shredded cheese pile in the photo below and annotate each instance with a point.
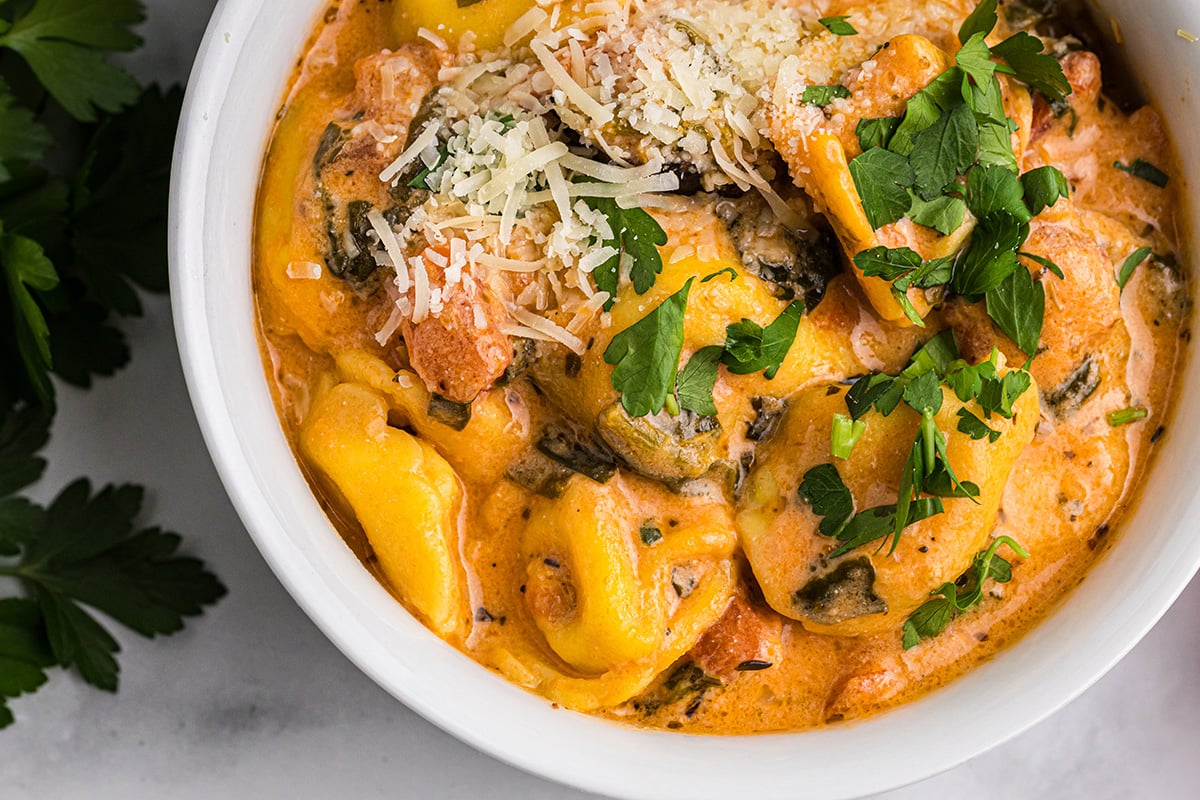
(594, 107)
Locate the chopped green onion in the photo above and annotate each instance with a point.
(846, 433)
(1126, 416)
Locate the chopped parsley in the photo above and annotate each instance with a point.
(1024, 54)
(694, 386)
(1135, 260)
(976, 428)
(824, 95)
(839, 26)
(904, 268)
(1018, 307)
(876, 132)
(944, 214)
(823, 489)
(950, 153)
(927, 475)
(883, 179)
(1146, 171)
(947, 148)
(982, 20)
(1043, 188)
(750, 348)
(952, 599)
(636, 234)
(646, 356)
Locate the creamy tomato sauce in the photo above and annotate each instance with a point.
(472, 445)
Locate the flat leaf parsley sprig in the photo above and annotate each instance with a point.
(85, 158)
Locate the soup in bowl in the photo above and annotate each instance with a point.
(711, 367)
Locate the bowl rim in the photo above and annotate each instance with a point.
(332, 600)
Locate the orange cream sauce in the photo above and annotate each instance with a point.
(1063, 502)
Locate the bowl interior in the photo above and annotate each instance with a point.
(240, 76)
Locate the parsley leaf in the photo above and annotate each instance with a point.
(976, 428)
(1043, 188)
(888, 263)
(27, 270)
(119, 224)
(694, 386)
(22, 138)
(880, 522)
(22, 434)
(944, 150)
(24, 654)
(876, 132)
(1045, 263)
(1023, 52)
(980, 21)
(991, 189)
(838, 26)
(923, 109)
(997, 395)
(905, 269)
(882, 179)
(823, 489)
(866, 392)
(1146, 171)
(992, 255)
(1131, 263)
(944, 214)
(822, 96)
(646, 356)
(976, 60)
(751, 348)
(61, 41)
(85, 551)
(1018, 307)
(924, 393)
(78, 235)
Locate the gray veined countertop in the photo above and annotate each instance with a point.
(252, 701)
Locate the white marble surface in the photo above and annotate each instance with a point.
(252, 701)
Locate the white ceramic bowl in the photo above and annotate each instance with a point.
(239, 78)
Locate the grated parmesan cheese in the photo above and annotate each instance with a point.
(304, 270)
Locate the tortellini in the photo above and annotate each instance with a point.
(868, 590)
(499, 417)
(405, 496)
(616, 594)
(723, 292)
